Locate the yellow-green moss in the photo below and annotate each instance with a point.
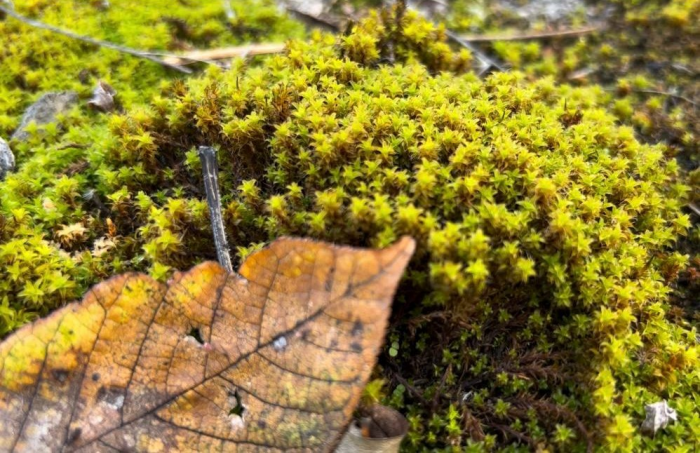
(541, 278)
(56, 189)
(35, 61)
(646, 48)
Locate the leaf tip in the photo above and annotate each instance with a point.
(406, 244)
(400, 253)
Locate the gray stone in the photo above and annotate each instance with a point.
(7, 159)
(551, 10)
(44, 111)
(659, 415)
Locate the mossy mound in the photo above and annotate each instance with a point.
(55, 198)
(535, 311)
(646, 52)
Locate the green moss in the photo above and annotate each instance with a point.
(647, 48)
(35, 61)
(543, 226)
(645, 54)
(60, 185)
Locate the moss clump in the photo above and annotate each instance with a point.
(57, 236)
(643, 50)
(534, 313)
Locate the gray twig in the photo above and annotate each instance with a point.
(694, 208)
(559, 34)
(660, 93)
(486, 61)
(313, 21)
(97, 42)
(210, 172)
(666, 93)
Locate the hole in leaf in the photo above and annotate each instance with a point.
(74, 435)
(280, 344)
(237, 408)
(196, 334)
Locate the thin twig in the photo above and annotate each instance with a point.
(97, 42)
(561, 34)
(410, 388)
(681, 68)
(313, 21)
(694, 208)
(400, 10)
(71, 145)
(210, 172)
(485, 60)
(508, 431)
(659, 93)
(174, 59)
(438, 392)
(225, 53)
(665, 93)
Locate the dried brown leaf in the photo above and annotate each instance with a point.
(273, 358)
